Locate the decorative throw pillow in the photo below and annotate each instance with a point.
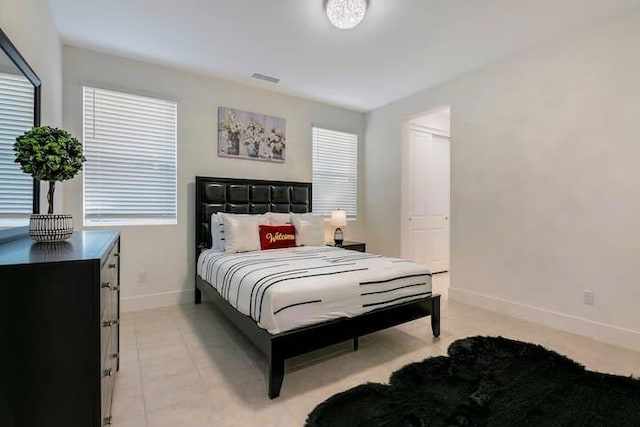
(276, 218)
(309, 229)
(277, 236)
(241, 232)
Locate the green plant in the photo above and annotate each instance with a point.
(49, 154)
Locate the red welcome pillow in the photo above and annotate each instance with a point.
(277, 236)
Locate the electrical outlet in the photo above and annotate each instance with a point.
(589, 298)
(143, 276)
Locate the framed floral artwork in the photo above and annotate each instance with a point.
(245, 135)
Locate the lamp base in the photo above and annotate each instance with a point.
(338, 237)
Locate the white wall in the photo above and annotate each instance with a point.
(30, 26)
(545, 193)
(167, 252)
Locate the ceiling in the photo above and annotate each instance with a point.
(400, 48)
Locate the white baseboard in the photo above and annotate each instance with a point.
(615, 335)
(165, 299)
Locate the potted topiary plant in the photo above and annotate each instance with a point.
(53, 155)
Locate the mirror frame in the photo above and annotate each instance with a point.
(14, 55)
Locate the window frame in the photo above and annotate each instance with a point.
(351, 132)
(131, 221)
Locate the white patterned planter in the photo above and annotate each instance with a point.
(50, 227)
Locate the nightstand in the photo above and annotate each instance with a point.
(352, 246)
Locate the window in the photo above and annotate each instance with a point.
(130, 146)
(335, 172)
(16, 117)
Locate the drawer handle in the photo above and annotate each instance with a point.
(113, 265)
(109, 323)
(107, 421)
(107, 373)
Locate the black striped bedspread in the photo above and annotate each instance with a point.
(284, 289)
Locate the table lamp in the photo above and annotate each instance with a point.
(338, 219)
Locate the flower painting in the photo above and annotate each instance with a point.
(253, 136)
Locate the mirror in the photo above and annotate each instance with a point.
(19, 111)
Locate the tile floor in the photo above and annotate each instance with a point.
(187, 366)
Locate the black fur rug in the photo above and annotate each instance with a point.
(488, 382)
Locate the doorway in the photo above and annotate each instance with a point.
(426, 189)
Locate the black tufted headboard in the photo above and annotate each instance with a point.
(245, 196)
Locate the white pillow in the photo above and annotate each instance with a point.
(241, 232)
(276, 218)
(309, 229)
(217, 233)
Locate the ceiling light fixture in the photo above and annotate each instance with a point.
(346, 14)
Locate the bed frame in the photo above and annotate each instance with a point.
(257, 196)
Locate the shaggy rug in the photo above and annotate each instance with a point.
(488, 382)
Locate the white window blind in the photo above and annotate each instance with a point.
(130, 146)
(335, 171)
(16, 117)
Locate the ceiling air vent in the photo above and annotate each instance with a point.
(265, 78)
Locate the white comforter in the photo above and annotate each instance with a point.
(284, 289)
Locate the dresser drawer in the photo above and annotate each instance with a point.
(108, 341)
(109, 284)
(110, 265)
(108, 380)
(109, 296)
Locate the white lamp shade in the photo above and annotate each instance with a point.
(339, 218)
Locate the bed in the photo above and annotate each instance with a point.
(288, 302)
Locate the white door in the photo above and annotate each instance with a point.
(429, 187)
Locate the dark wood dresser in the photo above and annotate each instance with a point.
(60, 315)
